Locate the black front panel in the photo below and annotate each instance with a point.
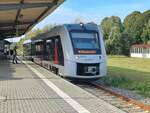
(88, 69)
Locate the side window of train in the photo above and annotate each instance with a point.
(39, 48)
(49, 49)
(33, 49)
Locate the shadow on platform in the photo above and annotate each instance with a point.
(7, 70)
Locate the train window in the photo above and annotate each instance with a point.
(33, 51)
(39, 48)
(49, 50)
(83, 40)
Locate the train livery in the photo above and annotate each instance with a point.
(70, 50)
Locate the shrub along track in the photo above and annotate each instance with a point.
(122, 102)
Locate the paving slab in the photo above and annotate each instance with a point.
(23, 91)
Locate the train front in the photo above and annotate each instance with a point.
(86, 56)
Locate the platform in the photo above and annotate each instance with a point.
(29, 88)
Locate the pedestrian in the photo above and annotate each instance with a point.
(5, 53)
(14, 59)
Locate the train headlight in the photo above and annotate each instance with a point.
(76, 57)
(81, 24)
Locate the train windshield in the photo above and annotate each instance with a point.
(84, 40)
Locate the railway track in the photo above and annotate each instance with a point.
(122, 102)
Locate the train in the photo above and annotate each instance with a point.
(74, 51)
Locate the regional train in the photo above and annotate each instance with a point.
(70, 50)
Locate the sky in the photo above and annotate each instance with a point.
(92, 11)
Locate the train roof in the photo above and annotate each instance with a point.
(88, 26)
(81, 26)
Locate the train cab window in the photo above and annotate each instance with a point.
(85, 41)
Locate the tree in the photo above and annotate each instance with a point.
(20, 46)
(146, 16)
(112, 29)
(133, 25)
(146, 30)
(107, 23)
(126, 43)
(146, 33)
(48, 27)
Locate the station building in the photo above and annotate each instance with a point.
(140, 51)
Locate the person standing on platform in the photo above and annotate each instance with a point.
(14, 59)
(5, 53)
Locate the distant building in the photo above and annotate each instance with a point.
(140, 51)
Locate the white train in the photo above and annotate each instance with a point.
(71, 50)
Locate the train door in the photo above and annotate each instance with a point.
(58, 51)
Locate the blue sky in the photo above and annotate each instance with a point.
(93, 10)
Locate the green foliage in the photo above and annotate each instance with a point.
(120, 36)
(20, 46)
(48, 28)
(148, 42)
(112, 28)
(115, 38)
(146, 16)
(133, 25)
(126, 43)
(146, 33)
(108, 23)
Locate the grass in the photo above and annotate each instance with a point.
(129, 73)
